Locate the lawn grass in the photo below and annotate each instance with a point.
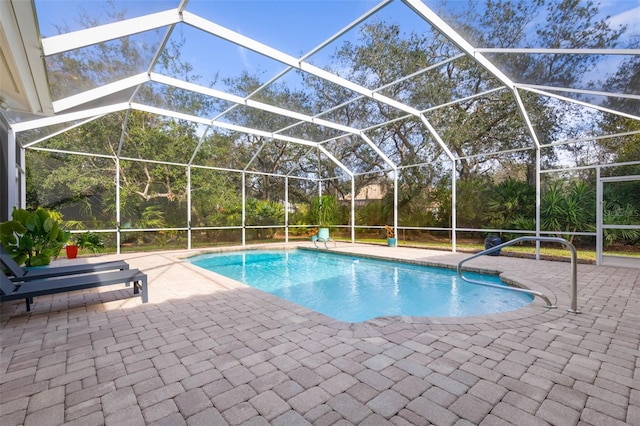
(552, 253)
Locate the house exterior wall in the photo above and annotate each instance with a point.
(11, 183)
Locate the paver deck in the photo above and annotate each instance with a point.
(206, 350)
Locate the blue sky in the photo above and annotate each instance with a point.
(273, 16)
(293, 26)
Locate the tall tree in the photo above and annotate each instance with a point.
(90, 180)
(625, 80)
(273, 156)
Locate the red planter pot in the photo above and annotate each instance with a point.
(72, 251)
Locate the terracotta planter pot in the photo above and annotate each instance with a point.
(72, 251)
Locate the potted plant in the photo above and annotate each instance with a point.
(325, 214)
(33, 238)
(392, 241)
(313, 233)
(89, 241)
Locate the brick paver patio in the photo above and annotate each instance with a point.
(208, 351)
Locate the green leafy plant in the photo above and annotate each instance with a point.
(510, 203)
(373, 213)
(324, 211)
(90, 241)
(33, 238)
(614, 214)
(567, 208)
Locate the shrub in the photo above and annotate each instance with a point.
(33, 238)
(90, 241)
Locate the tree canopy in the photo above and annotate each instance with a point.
(153, 159)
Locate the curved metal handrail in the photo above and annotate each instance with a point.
(574, 270)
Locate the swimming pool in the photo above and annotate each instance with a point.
(357, 289)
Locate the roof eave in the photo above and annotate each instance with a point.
(24, 86)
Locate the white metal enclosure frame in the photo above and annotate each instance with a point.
(603, 259)
(79, 109)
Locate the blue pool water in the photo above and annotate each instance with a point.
(355, 289)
